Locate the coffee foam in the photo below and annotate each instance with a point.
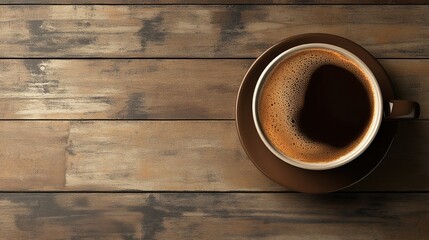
(283, 95)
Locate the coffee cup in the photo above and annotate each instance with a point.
(318, 106)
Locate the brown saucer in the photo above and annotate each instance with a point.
(298, 179)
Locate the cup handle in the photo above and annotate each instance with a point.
(401, 109)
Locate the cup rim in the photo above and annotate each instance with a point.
(359, 148)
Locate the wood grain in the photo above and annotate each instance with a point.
(214, 216)
(304, 2)
(191, 155)
(61, 152)
(32, 156)
(168, 155)
(150, 89)
(120, 89)
(203, 31)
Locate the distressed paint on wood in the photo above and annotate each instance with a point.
(151, 89)
(203, 31)
(214, 216)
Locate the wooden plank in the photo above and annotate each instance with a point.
(191, 155)
(150, 89)
(32, 156)
(169, 155)
(203, 31)
(119, 89)
(304, 2)
(208, 156)
(214, 216)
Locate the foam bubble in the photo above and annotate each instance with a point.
(286, 86)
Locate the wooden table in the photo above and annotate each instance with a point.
(117, 121)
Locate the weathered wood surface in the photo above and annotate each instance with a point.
(203, 31)
(120, 89)
(56, 151)
(304, 2)
(32, 155)
(168, 155)
(94, 156)
(151, 89)
(214, 216)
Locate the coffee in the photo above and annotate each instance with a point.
(316, 105)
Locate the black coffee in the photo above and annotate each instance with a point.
(316, 106)
(337, 107)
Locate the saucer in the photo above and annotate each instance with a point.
(302, 180)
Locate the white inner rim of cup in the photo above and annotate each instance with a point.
(371, 132)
